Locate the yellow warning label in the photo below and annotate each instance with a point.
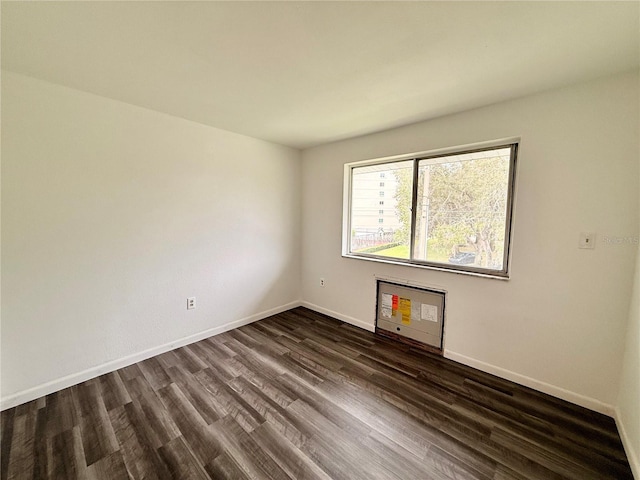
(405, 310)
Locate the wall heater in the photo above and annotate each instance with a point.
(412, 314)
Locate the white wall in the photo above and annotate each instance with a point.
(112, 215)
(628, 414)
(559, 323)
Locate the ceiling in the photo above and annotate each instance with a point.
(306, 73)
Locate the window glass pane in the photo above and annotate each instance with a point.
(384, 233)
(462, 209)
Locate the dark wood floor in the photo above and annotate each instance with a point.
(298, 396)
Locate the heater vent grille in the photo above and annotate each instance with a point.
(411, 312)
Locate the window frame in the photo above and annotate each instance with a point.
(504, 273)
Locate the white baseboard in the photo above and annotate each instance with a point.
(578, 399)
(345, 318)
(629, 447)
(79, 377)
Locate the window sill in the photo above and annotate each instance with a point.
(426, 267)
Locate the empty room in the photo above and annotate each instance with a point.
(320, 240)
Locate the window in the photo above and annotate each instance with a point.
(381, 220)
(380, 212)
(448, 210)
(381, 202)
(382, 184)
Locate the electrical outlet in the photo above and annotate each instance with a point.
(587, 240)
(191, 303)
(322, 282)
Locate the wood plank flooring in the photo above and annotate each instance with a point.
(302, 396)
